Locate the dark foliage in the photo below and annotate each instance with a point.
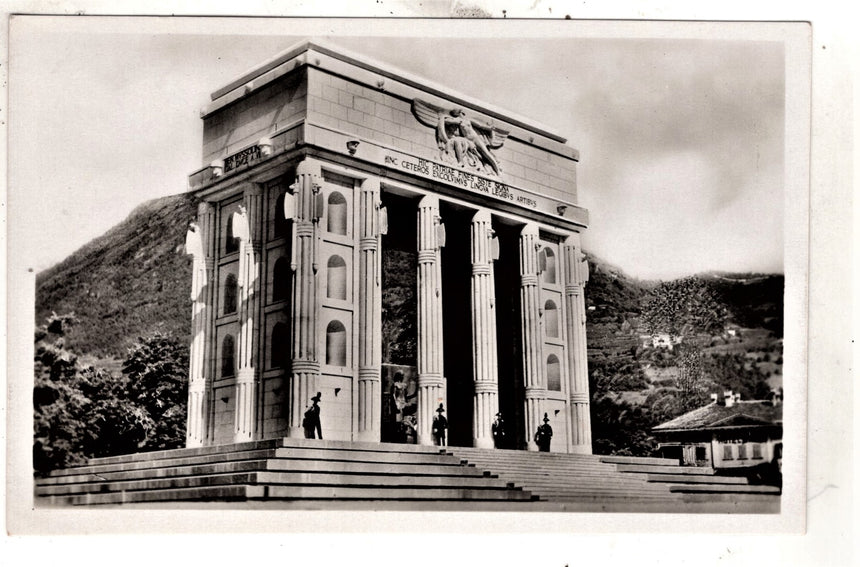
(684, 307)
(84, 412)
(621, 428)
(399, 335)
(753, 300)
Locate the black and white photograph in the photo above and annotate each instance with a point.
(303, 267)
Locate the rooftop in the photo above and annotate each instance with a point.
(718, 415)
(293, 56)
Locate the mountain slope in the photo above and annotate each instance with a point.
(130, 282)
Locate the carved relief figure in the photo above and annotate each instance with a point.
(462, 140)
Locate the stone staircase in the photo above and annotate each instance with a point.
(629, 481)
(688, 480)
(323, 474)
(559, 477)
(286, 470)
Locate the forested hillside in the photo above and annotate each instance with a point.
(130, 282)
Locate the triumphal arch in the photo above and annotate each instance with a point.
(391, 244)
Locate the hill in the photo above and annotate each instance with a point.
(130, 282)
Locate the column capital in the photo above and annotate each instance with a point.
(429, 201)
(430, 379)
(369, 373)
(427, 256)
(309, 167)
(530, 229)
(572, 289)
(370, 184)
(246, 375)
(204, 208)
(480, 269)
(579, 398)
(535, 392)
(305, 366)
(368, 243)
(253, 190)
(482, 215)
(486, 386)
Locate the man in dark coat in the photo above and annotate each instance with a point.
(440, 425)
(311, 422)
(543, 435)
(499, 432)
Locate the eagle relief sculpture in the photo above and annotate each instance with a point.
(462, 140)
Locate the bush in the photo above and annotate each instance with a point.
(85, 412)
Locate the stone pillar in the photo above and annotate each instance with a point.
(369, 315)
(533, 363)
(484, 354)
(575, 277)
(202, 273)
(431, 383)
(305, 368)
(250, 250)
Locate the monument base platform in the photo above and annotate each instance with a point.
(328, 475)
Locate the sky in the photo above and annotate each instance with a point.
(681, 139)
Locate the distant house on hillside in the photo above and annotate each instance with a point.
(661, 340)
(727, 434)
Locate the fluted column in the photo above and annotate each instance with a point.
(369, 316)
(575, 277)
(196, 242)
(533, 364)
(305, 309)
(431, 383)
(484, 355)
(250, 249)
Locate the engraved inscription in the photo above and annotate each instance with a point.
(241, 158)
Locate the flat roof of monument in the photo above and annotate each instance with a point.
(247, 82)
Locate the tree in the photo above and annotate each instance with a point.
(684, 307)
(156, 382)
(84, 412)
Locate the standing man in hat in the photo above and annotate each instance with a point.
(440, 425)
(543, 435)
(499, 432)
(311, 423)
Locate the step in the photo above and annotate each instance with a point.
(603, 470)
(141, 465)
(186, 452)
(725, 488)
(334, 454)
(291, 453)
(663, 469)
(264, 444)
(267, 492)
(345, 492)
(275, 464)
(531, 456)
(321, 478)
(620, 459)
(217, 493)
(713, 479)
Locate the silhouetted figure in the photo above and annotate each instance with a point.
(440, 425)
(543, 435)
(311, 422)
(499, 432)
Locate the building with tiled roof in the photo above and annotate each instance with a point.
(728, 433)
